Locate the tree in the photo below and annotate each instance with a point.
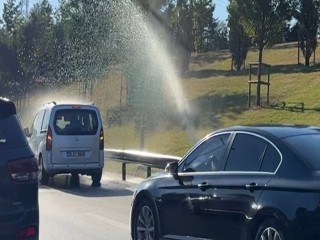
(291, 33)
(10, 69)
(239, 42)
(308, 19)
(87, 31)
(36, 48)
(182, 30)
(12, 19)
(220, 39)
(203, 23)
(263, 21)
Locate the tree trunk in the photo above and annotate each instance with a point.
(307, 61)
(231, 63)
(298, 52)
(259, 76)
(307, 55)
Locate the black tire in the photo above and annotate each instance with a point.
(144, 222)
(75, 180)
(96, 178)
(270, 229)
(43, 176)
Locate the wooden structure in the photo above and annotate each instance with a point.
(252, 68)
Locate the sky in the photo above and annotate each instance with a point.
(220, 11)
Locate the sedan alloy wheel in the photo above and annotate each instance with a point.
(270, 234)
(145, 226)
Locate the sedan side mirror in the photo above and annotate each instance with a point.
(172, 168)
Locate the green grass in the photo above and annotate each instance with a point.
(218, 97)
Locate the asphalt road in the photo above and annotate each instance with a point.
(86, 213)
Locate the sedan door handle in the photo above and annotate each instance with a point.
(203, 186)
(252, 186)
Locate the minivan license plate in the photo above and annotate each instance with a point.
(75, 154)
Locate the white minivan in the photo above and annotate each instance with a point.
(68, 138)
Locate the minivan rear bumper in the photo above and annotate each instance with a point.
(74, 168)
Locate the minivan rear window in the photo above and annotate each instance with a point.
(75, 122)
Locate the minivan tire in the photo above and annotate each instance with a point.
(43, 176)
(96, 178)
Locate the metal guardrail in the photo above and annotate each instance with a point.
(150, 160)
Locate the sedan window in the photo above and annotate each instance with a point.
(246, 153)
(271, 160)
(207, 156)
(307, 146)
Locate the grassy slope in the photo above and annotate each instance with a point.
(219, 97)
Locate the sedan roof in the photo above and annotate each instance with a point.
(279, 131)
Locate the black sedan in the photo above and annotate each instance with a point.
(252, 183)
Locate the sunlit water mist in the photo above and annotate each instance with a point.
(151, 66)
(122, 35)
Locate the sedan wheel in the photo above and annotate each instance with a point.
(270, 234)
(270, 229)
(145, 223)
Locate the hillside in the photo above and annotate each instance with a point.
(217, 98)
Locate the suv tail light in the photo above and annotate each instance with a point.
(27, 232)
(49, 139)
(101, 140)
(23, 169)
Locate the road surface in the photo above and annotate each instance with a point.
(85, 213)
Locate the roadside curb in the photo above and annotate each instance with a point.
(132, 180)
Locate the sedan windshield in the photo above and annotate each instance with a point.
(308, 146)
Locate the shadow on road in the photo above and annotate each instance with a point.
(107, 189)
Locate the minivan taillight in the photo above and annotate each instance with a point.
(49, 139)
(23, 169)
(101, 140)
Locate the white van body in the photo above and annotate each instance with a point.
(68, 138)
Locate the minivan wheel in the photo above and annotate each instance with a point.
(43, 176)
(144, 222)
(96, 178)
(270, 229)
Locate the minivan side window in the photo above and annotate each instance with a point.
(246, 153)
(208, 156)
(36, 127)
(45, 122)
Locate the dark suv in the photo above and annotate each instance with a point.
(19, 209)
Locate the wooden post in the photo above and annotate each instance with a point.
(124, 171)
(298, 52)
(148, 171)
(249, 94)
(268, 91)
